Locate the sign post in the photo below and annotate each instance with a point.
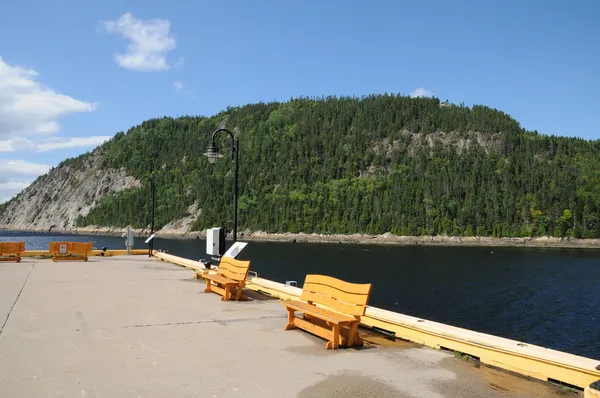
(129, 241)
(150, 245)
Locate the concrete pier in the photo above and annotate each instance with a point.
(133, 326)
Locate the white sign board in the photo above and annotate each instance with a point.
(212, 238)
(235, 249)
(62, 249)
(149, 238)
(213, 243)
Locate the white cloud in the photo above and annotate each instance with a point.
(29, 119)
(178, 85)
(421, 92)
(28, 108)
(9, 189)
(10, 170)
(16, 175)
(27, 145)
(16, 144)
(150, 42)
(72, 142)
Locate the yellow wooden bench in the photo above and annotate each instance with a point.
(11, 251)
(70, 250)
(346, 303)
(229, 280)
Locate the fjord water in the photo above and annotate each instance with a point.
(547, 297)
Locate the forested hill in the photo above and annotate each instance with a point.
(382, 163)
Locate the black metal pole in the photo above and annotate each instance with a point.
(153, 192)
(151, 243)
(235, 190)
(234, 156)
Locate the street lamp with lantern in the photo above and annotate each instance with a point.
(212, 153)
(152, 187)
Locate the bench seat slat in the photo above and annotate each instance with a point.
(326, 315)
(220, 279)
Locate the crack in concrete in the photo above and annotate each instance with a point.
(222, 322)
(17, 299)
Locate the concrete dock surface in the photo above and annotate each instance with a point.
(131, 326)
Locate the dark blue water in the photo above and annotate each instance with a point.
(548, 297)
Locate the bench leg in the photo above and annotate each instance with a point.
(227, 294)
(353, 335)
(207, 289)
(333, 343)
(291, 316)
(239, 294)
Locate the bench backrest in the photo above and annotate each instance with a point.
(233, 269)
(12, 247)
(70, 247)
(345, 297)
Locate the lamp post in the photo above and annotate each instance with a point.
(212, 153)
(152, 187)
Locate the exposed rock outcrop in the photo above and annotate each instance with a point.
(460, 142)
(65, 193)
(182, 227)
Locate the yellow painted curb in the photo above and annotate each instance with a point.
(108, 253)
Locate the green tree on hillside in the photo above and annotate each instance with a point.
(376, 164)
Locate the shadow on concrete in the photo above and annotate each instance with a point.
(350, 384)
(256, 296)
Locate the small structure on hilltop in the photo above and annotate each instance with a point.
(444, 104)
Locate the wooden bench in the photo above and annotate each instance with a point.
(70, 250)
(346, 303)
(11, 251)
(229, 280)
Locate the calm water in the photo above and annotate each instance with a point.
(548, 297)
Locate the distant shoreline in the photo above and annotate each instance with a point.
(385, 239)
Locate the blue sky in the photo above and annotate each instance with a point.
(73, 73)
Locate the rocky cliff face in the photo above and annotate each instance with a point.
(65, 193)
